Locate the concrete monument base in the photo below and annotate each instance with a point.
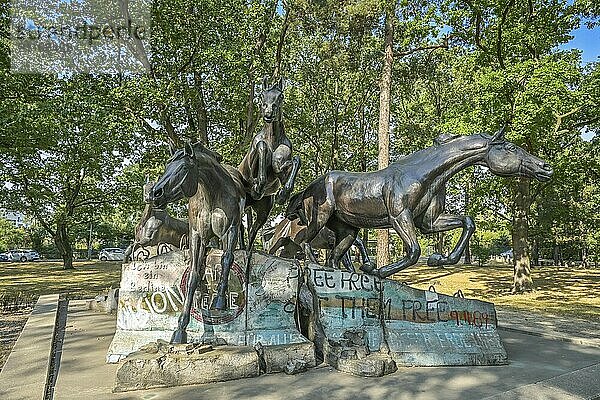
(353, 315)
(261, 311)
(357, 323)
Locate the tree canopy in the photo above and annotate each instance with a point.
(78, 146)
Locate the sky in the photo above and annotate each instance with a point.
(587, 40)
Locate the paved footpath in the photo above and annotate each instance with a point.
(541, 367)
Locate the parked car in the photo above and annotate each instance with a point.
(4, 257)
(507, 256)
(22, 255)
(111, 254)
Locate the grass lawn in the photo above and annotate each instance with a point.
(31, 279)
(558, 290)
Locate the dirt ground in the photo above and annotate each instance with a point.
(11, 324)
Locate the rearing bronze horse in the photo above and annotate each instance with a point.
(269, 168)
(407, 195)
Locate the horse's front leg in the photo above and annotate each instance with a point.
(198, 259)
(403, 225)
(263, 156)
(289, 171)
(446, 222)
(220, 301)
(263, 209)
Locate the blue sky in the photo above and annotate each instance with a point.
(586, 40)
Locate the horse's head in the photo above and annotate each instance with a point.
(271, 100)
(507, 159)
(179, 180)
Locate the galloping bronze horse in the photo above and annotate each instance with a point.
(217, 200)
(269, 168)
(408, 194)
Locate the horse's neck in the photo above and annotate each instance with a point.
(452, 158)
(210, 177)
(274, 131)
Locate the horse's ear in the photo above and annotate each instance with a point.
(265, 83)
(280, 84)
(188, 149)
(499, 136)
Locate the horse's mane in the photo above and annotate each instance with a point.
(444, 138)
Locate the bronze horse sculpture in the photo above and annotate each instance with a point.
(407, 195)
(269, 169)
(287, 238)
(216, 202)
(157, 226)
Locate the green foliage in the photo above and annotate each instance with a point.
(77, 149)
(10, 236)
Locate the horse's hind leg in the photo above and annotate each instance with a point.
(198, 252)
(220, 301)
(288, 173)
(344, 238)
(129, 251)
(347, 262)
(363, 253)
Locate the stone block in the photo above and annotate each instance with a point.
(289, 358)
(163, 365)
(345, 301)
(424, 328)
(373, 365)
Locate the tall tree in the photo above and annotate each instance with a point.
(385, 96)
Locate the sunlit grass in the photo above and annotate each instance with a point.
(558, 290)
(33, 279)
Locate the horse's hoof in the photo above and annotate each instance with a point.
(368, 268)
(435, 260)
(219, 303)
(179, 337)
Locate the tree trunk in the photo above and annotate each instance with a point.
(535, 253)
(63, 244)
(522, 269)
(383, 236)
(468, 259)
(201, 110)
(439, 243)
(556, 255)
